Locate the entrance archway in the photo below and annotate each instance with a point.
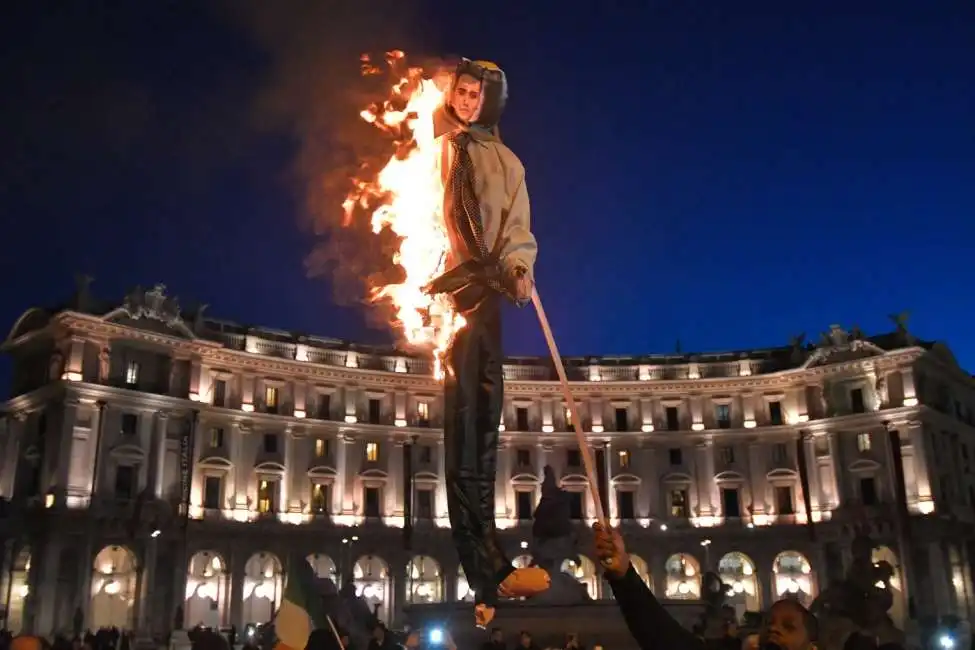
(371, 577)
(206, 590)
(738, 572)
(263, 582)
(113, 588)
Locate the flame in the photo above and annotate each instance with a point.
(409, 194)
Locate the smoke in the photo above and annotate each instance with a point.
(312, 93)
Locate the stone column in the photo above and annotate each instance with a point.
(610, 505)
(649, 502)
(757, 471)
(285, 487)
(922, 474)
(45, 621)
(840, 475)
(812, 468)
(341, 505)
(145, 605)
(502, 481)
(395, 498)
(11, 453)
(441, 481)
(235, 569)
(157, 473)
(65, 447)
(705, 479)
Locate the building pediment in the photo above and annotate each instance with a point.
(151, 310)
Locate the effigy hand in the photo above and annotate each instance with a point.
(520, 284)
(611, 551)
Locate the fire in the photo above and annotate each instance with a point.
(408, 191)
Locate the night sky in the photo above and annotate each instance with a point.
(726, 174)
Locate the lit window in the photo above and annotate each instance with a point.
(624, 458)
(372, 452)
(271, 396)
(132, 373)
(265, 496)
(319, 448)
(568, 416)
(863, 442)
(216, 437)
(423, 410)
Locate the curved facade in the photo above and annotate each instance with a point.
(155, 460)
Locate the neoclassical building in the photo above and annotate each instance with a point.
(155, 460)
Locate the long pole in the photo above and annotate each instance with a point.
(587, 459)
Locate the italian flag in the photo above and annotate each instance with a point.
(301, 611)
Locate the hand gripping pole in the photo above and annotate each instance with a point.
(587, 459)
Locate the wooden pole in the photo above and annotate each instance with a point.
(587, 459)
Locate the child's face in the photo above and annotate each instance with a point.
(786, 627)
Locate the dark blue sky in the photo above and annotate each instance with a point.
(725, 173)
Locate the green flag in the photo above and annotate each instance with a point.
(301, 610)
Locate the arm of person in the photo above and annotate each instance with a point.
(649, 623)
(520, 248)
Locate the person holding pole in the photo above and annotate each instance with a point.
(492, 255)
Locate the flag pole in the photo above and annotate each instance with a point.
(587, 459)
(331, 625)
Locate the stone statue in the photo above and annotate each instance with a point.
(199, 323)
(82, 299)
(825, 406)
(797, 354)
(56, 365)
(880, 388)
(900, 323)
(553, 542)
(859, 603)
(104, 364)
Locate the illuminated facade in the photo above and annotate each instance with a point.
(290, 446)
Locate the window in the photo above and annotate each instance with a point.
(783, 500)
(423, 414)
(130, 424)
(567, 414)
(780, 453)
(216, 438)
(722, 416)
(524, 458)
(372, 452)
(270, 443)
(212, 488)
(575, 505)
(219, 392)
(624, 458)
(125, 481)
(271, 399)
(856, 401)
(573, 458)
(624, 505)
(267, 496)
(673, 418)
(775, 412)
(868, 491)
(372, 502)
(320, 494)
(622, 420)
(523, 504)
(132, 373)
(678, 504)
(728, 455)
(731, 504)
(521, 418)
(324, 406)
(426, 454)
(676, 457)
(863, 442)
(375, 411)
(424, 504)
(321, 448)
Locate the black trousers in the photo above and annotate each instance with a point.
(473, 391)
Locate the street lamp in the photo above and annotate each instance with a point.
(706, 543)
